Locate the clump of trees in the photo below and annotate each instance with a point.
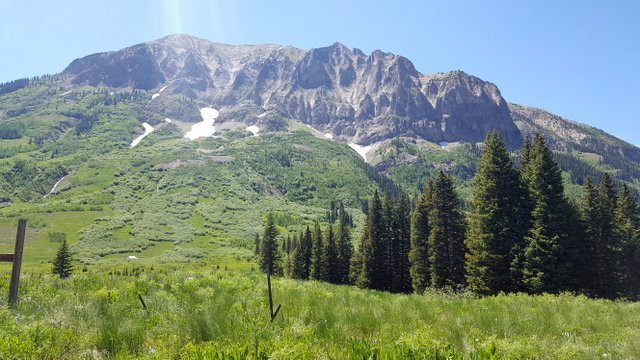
(521, 234)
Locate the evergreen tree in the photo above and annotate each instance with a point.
(590, 218)
(315, 271)
(498, 222)
(307, 248)
(301, 255)
(62, 262)
(345, 248)
(269, 255)
(330, 269)
(401, 280)
(419, 254)
(291, 259)
(547, 265)
(373, 250)
(607, 249)
(627, 228)
(446, 236)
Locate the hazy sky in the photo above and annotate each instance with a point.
(578, 59)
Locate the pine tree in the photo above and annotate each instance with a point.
(497, 223)
(330, 269)
(62, 262)
(270, 260)
(627, 229)
(419, 254)
(315, 271)
(546, 265)
(345, 248)
(446, 236)
(373, 250)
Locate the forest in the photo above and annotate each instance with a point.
(520, 233)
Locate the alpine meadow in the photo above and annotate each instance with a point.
(192, 199)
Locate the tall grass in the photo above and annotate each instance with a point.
(213, 314)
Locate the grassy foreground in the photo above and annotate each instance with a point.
(213, 314)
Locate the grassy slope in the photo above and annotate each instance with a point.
(200, 313)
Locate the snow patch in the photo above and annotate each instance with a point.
(167, 120)
(253, 129)
(158, 93)
(329, 136)
(55, 186)
(131, 257)
(443, 144)
(204, 128)
(362, 150)
(66, 93)
(262, 115)
(148, 129)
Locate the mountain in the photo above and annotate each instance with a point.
(98, 152)
(356, 97)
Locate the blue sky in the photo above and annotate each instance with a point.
(578, 59)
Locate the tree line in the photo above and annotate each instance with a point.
(521, 234)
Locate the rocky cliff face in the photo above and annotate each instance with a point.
(356, 97)
(566, 135)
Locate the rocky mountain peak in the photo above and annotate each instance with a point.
(357, 97)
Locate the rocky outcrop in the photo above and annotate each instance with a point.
(357, 97)
(565, 135)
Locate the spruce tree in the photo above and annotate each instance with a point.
(270, 260)
(401, 281)
(607, 249)
(497, 223)
(590, 218)
(627, 229)
(373, 250)
(306, 252)
(345, 248)
(446, 236)
(291, 258)
(547, 265)
(330, 269)
(419, 254)
(62, 262)
(315, 271)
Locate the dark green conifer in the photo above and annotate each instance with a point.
(446, 237)
(62, 262)
(330, 269)
(315, 271)
(345, 248)
(497, 223)
(269, 255)
(401, 246)
(627, 228)
(419, 254)
(373, 250)
(547, 265)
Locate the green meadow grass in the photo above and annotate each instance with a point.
(199, 311)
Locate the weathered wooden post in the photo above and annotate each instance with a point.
(273, 315)
(16, 258)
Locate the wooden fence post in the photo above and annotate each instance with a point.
(273, 315)
(16, 258)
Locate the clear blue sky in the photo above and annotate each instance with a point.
(578, 59)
